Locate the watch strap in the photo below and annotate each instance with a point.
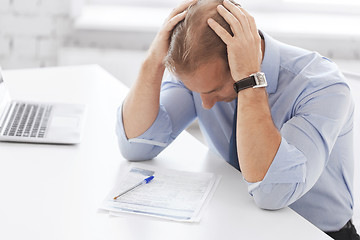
(244, 83)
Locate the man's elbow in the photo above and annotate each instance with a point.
(135, 157)
(280, 196)
(135, 153)
(269, 205)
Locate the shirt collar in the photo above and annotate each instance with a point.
(271, 62)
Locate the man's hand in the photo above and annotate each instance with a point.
(160, 45)
(244, 48)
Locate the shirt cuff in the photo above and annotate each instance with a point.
(288, 166)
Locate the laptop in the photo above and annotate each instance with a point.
(37, 122)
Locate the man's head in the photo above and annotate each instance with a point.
(199, 57)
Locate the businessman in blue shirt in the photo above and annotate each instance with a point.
(280, 114)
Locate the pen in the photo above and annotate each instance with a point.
(145, 181)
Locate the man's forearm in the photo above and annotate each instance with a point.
(141, 106)
(257, 137)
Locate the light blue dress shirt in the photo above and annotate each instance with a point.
(311, 106)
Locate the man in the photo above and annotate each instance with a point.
(291, 136)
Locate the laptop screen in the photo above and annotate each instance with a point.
(4, 95)
(2, 87)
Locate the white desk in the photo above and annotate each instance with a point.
(53, 192)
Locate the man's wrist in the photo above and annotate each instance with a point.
(154, 62)
(242, 75)
(252, 94)
(256, 80)
(253, 99)
(151, 74)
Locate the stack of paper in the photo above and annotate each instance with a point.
(174, 195)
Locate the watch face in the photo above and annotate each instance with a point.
(260, 80)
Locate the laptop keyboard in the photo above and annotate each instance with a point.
(28, 120)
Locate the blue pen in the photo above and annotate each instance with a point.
(145, 181)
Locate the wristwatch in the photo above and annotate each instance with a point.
(255, 80)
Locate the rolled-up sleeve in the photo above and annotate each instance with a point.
(176, 111)
(307, 141)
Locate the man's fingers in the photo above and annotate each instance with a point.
(230, 19)
(175, 20)
(182, 7)
(220, 31)
(239, 15)
(252, 23)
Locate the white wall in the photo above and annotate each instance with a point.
(31, 32)
(35, 33)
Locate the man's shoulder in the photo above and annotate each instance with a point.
(308, 66)
(304, 73)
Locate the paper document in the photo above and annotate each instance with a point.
(174, 195)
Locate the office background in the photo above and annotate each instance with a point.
(42, 33)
